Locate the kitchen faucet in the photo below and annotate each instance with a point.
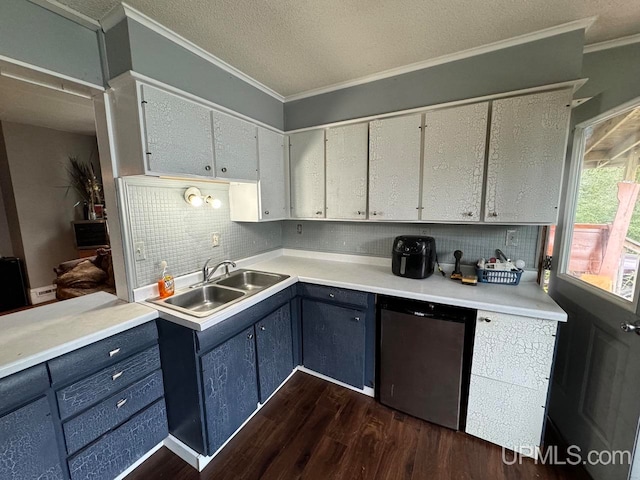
(207, 274)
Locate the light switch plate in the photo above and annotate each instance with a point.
(511, 239)
(140, 252)
(215, 239)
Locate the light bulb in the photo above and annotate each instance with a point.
(195, 200)
(193, 197)
(212, 202)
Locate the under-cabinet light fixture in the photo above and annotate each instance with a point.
(194, 197)
(212, 202)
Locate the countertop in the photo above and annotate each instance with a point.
(33, 336)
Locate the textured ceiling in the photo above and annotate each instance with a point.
(297, 45)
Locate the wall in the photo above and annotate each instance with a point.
(37, 159)
(132, 46)
(6, 248)
(550, 60)
(376, 239)
(174, 231)
(37, 36)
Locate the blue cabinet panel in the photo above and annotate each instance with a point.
(23, 386)
(334, 294)
(230, 387)
(275, 355)
(94, 388)
(28, 447)
(88, 426)
(118, 450)
(333, 341)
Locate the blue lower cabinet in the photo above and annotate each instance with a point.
(275, 350)
(333, 341)
(229, 381)
(28, 445)
(115, 452)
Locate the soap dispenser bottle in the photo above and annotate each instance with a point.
(166, 285)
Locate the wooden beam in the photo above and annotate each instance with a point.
(605, 129)
(631, 168)
(623, 147)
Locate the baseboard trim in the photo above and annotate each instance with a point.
(368, 391)
(139, 462)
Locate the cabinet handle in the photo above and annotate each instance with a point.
(319, 212)
(114, 352)
(121, 403)
(468, 214)
(250, 336)
(117, 375)
(331, 295)
(224, 169)
(493, 214)
(262, 328)
(485, 319)
(360, 212)
(266, 212)
(357, 319)
(207, 168)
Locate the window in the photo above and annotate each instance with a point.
(604, 241)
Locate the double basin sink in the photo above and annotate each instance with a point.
(206, 299)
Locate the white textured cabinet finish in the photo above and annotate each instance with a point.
(394, 168)
(236, 147)
(177, 133)
(272, 167)
(306, 163)
(526, 157)
(454, 154)
(507, 415)
(346, 170)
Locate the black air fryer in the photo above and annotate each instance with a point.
(413, 256)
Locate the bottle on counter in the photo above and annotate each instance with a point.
(166, 285)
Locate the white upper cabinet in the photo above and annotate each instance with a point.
(306, 160)
(273, 188)
(236, 148)
(526, 157)
(454, 153)
(177, 134)
(347, 155)
(394, 168)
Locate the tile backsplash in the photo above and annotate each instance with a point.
(174, 231)
(375, 239)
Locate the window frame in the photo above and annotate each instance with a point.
(569, 214)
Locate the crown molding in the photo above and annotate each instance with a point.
(122, 11)
(68, 13)
(582, 24)
(616, 42)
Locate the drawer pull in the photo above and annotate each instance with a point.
(262, 328)
(121, 403)
(250, 336)
(117, 375)
(485, 319)
(332, 295)
(357, 319)
(114, 352)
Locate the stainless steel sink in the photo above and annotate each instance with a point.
(250, 280)
(219, 293)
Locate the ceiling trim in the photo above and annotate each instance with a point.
(122, 11)
(582, 24)
(616, 42)
(68, 13)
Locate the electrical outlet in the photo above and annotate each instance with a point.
(215, 239)
(299, 229)
(424, 232)
(140, 251)
(511, 239)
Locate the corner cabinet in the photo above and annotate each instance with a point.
(235, 148)
(306, 165)
(527, 147)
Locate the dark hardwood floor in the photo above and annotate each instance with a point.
(313, 429)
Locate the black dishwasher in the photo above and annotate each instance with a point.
(424, 359)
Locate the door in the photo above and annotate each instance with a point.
(394, 168)
(333, 341)
(236, 147)
(178, 134)
(273, 204)
(347, 161)
(306, 163)
(229, 382)
(454, 155)
(527, 148)
(275, 350)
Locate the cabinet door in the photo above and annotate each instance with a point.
(394, 168)
(275, 350)
(306, 163)
(28, 443)
(333, 341)
(526, 157)
(454, 153)
(230, 387)
(347, 154)
(178, 134)
(273, 204)
(236, 147)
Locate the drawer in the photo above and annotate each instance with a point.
(333, 294)
(101, 354)
(514, 349)
(118, 450)
(507, 415)
(88, 426)
(23, 386)
(219, 333)
(86, 392)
